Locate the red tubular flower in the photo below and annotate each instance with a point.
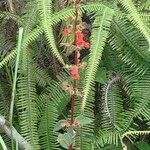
(66, 32)
(75, 73)
(80, 40)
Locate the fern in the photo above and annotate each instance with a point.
(48, 120)
(135, 19)
(84, 139)
(99, 35)
(7, 15)
(33, 35)
(112, 105)
(51, 104)
(132, 37)
(27, 103)
(45, 11)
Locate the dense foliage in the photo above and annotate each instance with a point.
(113, 86)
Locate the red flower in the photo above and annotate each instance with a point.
(80, 40)
(66, 32)
(74, 73)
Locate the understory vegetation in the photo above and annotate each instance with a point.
(75, 74)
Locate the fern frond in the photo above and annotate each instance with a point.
(62, 15)
(112, 104)
(108, 137)
(131, 36)
(45, 11)
(9, 57)
(8, 15)
(138, 89)
(99, 35)
(85, 136)
(135, 18)
(48, 138)
(67, 12)
(27, 103)
(28, 39)
(135, 133)
(51, 104)
(57, 93)
(41, 76)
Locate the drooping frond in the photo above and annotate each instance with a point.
(112, 105)
(26, 41)
(128, 34)
(99, 35)
(135, 18)
(45, 11)
(138, 89)
(9, 57)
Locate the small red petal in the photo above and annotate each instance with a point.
(86, 45)
(80, 40)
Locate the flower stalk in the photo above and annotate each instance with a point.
(76, 65)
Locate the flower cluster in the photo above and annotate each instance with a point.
(79, 41)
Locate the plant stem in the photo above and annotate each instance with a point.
(75, 63)
(15, 79)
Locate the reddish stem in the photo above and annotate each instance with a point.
(76, 63)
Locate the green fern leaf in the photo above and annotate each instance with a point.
(27, 102)
(47, 135)
(99, 35)
(45, 11)
(134, 17)
(26, 41)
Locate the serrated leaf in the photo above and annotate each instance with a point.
(82, 120)
(65, 140)
(59, 125)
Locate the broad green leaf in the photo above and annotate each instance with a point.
(82, 120)
(59, 125)
(65, 140)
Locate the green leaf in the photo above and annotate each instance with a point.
(100, 32)
(70, 131)
(101, 75)
(82, 120)
(59, 125)
(143, 145)
(65, 140)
